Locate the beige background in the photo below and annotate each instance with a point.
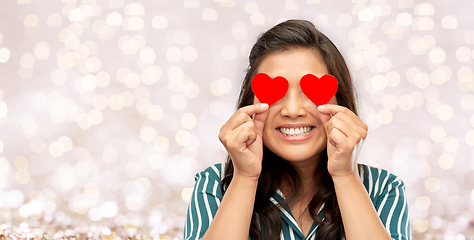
(109, 108)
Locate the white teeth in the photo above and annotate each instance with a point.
(296, 131)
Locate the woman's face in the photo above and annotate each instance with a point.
(293, 129)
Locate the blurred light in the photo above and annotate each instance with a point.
(393, 79)
(151, 75)
(239, 31)
(15, 198)
(424, 9)
(134, 147)
(173, 54)
(92, 189)
(178, 101)
(4, 55)
(344, 20)
(423, 169)
(159, 22)
(463, 54)
(209, 14)
(148, 134)
(445, 112)
(183, 137)
(251, 7)
(421, 225)
(366, 15)
(221, 86)
(441, 75)
(147, 55)
(188, 120)
(438, 134)
(155, 112)
(424, 147)
(133, 203)
(186, 194)
(109, 155)
(189, 54)
(143, 184)
(216, 108)
(58, 77)
(156, 161)
(83, 168)
(27, 60)
(321, 20)
(114, 19)
(21, 163)
(133, 23)
(116, 102)
(379, 82)
(257, 19)
(133, 170)
(451, 144)
(182, 37)
(109, 209)
(432, 184)
(134, 9)
(404, 19)
(470, 137)
(76, 15)
(42, 51)
(191, 90)
(31, 21)
(54, 20)
(422, 203)
(423, 23)
(446, 161)
(4, 165)
(449, 22)
(100, 102)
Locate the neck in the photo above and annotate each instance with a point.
(306, 170)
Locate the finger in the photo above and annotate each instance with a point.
(332, 109)
(328, 111)
(241, 137)
(259, 121)
(243, 115)
(352, 136)
(353, 122)
(336, 138)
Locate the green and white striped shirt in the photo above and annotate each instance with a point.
(386, 191)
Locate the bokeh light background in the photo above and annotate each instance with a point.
(109, 108)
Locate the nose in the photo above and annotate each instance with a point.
(292, 105)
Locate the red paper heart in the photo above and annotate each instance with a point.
(319, 90)
(268, 90)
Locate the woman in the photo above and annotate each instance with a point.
(292, 171)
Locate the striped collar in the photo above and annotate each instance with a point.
(288, 217)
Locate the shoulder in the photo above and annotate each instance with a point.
(379, 181)
(214, 172)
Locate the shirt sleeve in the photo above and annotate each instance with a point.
(391, 206)
(205, 200)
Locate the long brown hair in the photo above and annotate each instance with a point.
(266, 221)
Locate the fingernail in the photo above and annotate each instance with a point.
(264, 105)
(321, 106)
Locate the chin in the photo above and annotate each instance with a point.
(298, 152)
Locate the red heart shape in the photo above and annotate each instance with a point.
(268, 90)
(319, 90)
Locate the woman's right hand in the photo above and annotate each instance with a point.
(242, 137)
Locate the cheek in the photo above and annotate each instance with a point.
(255, 100)
(333, 100)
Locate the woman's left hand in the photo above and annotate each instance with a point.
(344, 131)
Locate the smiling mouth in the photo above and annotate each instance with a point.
(296, 131)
